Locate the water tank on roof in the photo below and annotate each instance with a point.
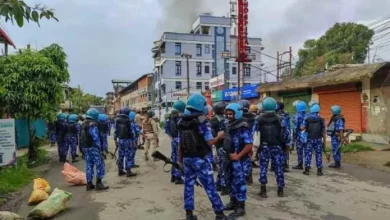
(207, 13)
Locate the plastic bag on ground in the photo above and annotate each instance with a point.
(4, 215)
(70, 168)
(37, 196)
(75, 178)
(41, 184)
(56, 203)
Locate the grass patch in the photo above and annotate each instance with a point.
(14, 178)
(356, 147)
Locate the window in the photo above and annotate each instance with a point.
(234, 70)
(207, 69)
(199, 50)
(207, 49)
(206, 85)
(178, 85)
(247, 70)
(198, 69)
(199, 85)
(178, 68)
(177, 48)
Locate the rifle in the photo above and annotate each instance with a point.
(158, 155)
(116, 150)
(346, 135)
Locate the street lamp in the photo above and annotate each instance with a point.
(187, 56)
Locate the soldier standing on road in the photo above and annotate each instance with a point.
(172, 131)
(91, 147)
(72, 131)
(139, 119)
(250, 120)
(195, 141)
(299, 136)
(335, 130)
(314, 125)
(273, 135)
(104, 130)
(60, 134)
(137, 131)
(123, 136)
(150, 131)
(217, 125)
(286, 120)
(238, 143)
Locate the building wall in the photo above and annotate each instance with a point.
(379, 103)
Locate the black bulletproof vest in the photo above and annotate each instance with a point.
(71, 129)
(250, 119)
(217, 125)
(102, 127)
(228, 144)
(270, 129)
(331, 128)
(191, 141)
(86, 139)
(314, 127)
(123, 127)
(173, 126)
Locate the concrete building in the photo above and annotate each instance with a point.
(138, 94)
(210, 38)
(109, 103)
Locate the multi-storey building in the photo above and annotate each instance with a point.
(211, 37)
(137, 94)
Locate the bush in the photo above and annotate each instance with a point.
(14, 178)
(356, 147)
(162, 124)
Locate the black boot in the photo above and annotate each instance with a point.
(100, 185)
(222, 216)
(135, 166)
(263, 191)
(298, 167)
(335, 165)
(121, 173)
(280, 192)
(224, 191)
(239, 210)
(190, 215)
(90, 186)
(307, 171)
(232, 205)
(130, 174)
(173, 178)
(74, 160)
(319, 172)
(179, 181)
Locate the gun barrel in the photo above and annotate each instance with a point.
(158, 155)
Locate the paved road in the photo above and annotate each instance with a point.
(348, 194)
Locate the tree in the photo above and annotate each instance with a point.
(33, 82)
(19, 11)
(82, 101)
(342, 44)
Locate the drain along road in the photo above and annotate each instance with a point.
(351, 193)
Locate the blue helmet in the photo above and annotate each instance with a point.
(300, 106)
(179, 105)
(336, 110)
(92, 113)
(125, 110)
(102, 117)
(269, 104)
(66, 115)
(237, 109)
(245, 105)
(61, 116)
(315, 108)
(132, 116)
(73, 118)
(187, 112)
(196, 102)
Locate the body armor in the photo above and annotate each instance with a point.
(331, 129)
(314, 127)
(102, 127)
(173, 126)
(86, 139)
(123, 127)
(270, 128)
(191, 141)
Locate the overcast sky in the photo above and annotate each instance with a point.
(112, 39)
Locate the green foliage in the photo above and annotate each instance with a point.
(82, 101)
(14, 178)
(162, 124)
(356, 147)
(19, 11)
(344, 43)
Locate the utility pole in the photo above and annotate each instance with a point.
(187, 56)
(289, 62)
(277, 66)
(239, 79)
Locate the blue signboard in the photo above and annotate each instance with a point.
(247, 92)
